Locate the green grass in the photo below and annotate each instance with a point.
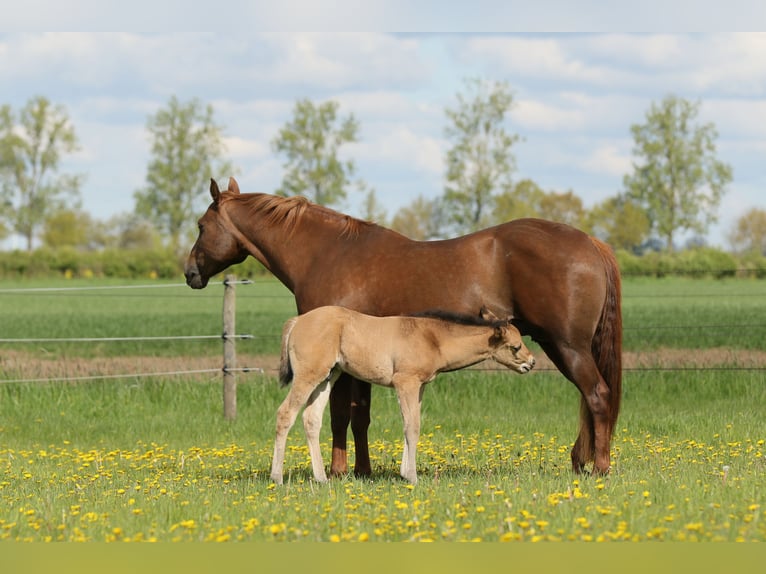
(153, 459)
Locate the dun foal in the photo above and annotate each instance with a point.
(400, 352)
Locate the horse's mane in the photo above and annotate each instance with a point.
(288, 211)
(459, 318)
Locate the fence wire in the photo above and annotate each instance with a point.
(106, 288)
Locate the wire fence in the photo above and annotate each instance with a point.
(149, 290)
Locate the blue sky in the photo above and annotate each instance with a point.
(576, 96)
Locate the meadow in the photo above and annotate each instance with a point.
(151, 458)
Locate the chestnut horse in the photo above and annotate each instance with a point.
(405, 353)
(561, 286)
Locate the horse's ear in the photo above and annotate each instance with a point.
(486, 314)
(233, 185)
(215, 193)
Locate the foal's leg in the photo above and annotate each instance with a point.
(286, 415)
(409, 391)
(312, 424)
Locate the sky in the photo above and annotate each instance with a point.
(576, 95)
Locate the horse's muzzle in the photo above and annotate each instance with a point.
(193, 277)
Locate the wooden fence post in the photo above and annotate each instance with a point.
(229, 349)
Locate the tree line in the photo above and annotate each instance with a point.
(675, 186)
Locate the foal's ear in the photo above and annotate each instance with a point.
(233, 185)
(215, 193)
(486, 314)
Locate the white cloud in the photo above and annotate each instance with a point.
(400, 147)
(537, 115)
(609, 160)
(510, 57)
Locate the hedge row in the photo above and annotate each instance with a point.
(123, 264)
(701, 262)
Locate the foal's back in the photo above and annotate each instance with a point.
(369, 348)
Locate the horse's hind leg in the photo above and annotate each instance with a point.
(350, 403)
(593, 441)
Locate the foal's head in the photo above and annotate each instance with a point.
(216, 248)
(508, 348)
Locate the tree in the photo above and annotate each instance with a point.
(422, 220)
(619, 221)
(563, 207)
(32, 143)
(527, 199)
(480, 161)
(677, 178)
(749, 232)
(70, 228)
(187, 149)
(520, 200)
(372, 209)
(311, 143)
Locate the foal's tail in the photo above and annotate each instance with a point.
(285, 368)
(607, 341)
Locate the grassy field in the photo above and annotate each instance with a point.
(153, 459)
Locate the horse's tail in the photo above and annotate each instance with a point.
(607, 341)
(285, 367)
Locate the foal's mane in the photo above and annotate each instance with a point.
(459, 318)
(288, 211)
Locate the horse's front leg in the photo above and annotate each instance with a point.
(340, 416)
(361, 396)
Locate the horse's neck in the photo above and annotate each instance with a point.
(285, 251)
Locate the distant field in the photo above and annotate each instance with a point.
(675, 313)
(153, 459)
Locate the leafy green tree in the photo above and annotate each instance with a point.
(749, 232)
(187, 149)
(527, 199)
(69, 228)
(677, 178)
(372, 208)
(563, 207)
(520, 200)
(480, 161)
(422, 220)
(311, 142)
(620, 221)
(32, 143)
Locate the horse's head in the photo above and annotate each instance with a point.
(216, 248)
(508, 347)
